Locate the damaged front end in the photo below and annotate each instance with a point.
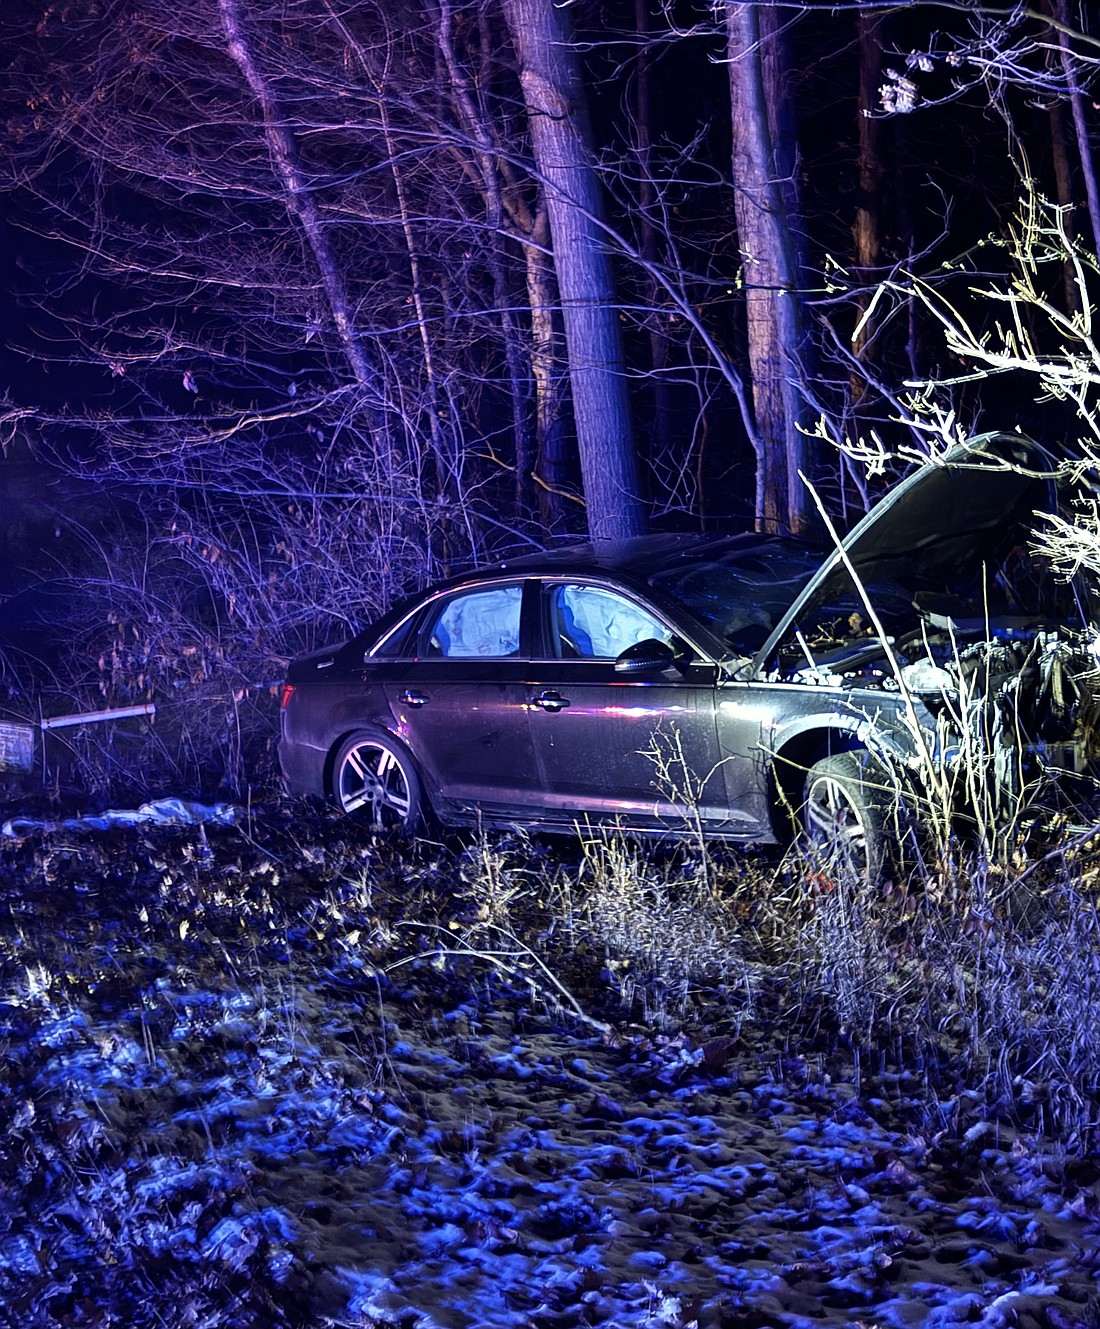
(1008, 714)
(936, 598)
(1016, 713)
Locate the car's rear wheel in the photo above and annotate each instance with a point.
(844, 815)
(375, 781)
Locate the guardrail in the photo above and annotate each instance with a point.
(17, 740)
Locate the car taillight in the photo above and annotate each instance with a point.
(287, 693)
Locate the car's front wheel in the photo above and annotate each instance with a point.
(845, 815)
(375, 781)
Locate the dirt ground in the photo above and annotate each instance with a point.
(274, 1072)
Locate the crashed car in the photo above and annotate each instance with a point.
(743, 685)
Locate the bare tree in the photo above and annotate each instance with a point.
(1011, 327)
(764, 188)
(1047, 53)
(562, 142)
(295, 323)
(218, 121)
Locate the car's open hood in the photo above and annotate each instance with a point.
(939, 523)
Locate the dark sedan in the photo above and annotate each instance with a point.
(728, 683)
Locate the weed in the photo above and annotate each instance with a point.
(659, 920)
(493, 876)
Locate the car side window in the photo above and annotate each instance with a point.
(590, 623)
(395, 644)
(482, 624)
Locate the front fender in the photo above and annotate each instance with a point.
(879, 721)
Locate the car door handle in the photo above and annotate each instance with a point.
(415, 699)
(550, 701)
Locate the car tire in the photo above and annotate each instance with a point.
(845, 816)
(375, 781)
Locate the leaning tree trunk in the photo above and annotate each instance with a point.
(562, 142)
(762, 201)
(544, 460)
(300, 204)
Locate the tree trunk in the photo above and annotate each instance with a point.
(547, 369)
(477, 125)
(561, 139)
(302, 207)
(762, 200)
(867, 226)
(660, 430)
(1080, 124)
(1063, 185)
(541, 462)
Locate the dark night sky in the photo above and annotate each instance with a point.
(11, 317)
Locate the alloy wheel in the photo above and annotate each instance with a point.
(372, 783)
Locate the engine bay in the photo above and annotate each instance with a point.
(1016, 697)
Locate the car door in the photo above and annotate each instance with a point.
(749, 714)
(611, 745)
(461, 704)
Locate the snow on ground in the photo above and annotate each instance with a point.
(222, 1105)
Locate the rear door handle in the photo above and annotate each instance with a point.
(414, 699)
(550, 701)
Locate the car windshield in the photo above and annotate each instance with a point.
(740, 594)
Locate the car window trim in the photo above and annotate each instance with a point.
(424, 610)
(541, 594)
(399, 629)
(372, 652)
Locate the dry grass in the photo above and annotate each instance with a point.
(972, 973)
(662, 925)
(204, 1032)
(979, 975)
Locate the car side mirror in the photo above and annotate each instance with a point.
(646, 657)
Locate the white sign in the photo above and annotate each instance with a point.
(16, 747)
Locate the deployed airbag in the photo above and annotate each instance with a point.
(485, 624)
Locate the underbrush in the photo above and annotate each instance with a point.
(982, 978)
(988, 982)
(196, 1019)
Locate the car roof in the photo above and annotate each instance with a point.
(640, 558)
(634, 563)
(912, 516)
